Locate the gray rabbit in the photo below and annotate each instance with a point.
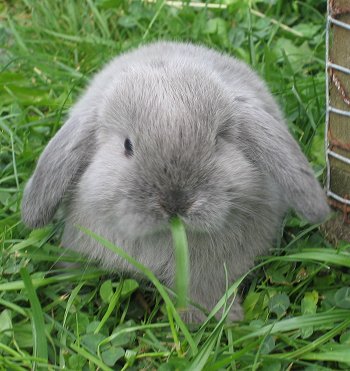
(173, 128)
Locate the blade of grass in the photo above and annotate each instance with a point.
(335, 356)
(182, 261)
(62, 334)
(38, 324)
(156, 15)
(84, 353)
(39, 282)
(203, 355)
(231, 291)
(91, 40)
(322, 255)
(319, 319)
(130, 330)
(316, 343)
(17, 35)
(226, 361)
(14, 307)
(100, 20)
(112, 304)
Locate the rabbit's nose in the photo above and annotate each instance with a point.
(175, 202)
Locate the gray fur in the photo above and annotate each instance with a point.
(210, 143)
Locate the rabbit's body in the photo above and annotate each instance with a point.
(171, 129)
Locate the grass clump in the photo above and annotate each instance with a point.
(296, 302)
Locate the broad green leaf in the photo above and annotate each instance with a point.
(216, 25)
(298, 56)
(308, 306)
(106, 291)
(345, 338)
(271, 365)
(342, 298)
(279, 304)
(123, 338)
(127, 21)
(112, 354)
(91, 341)
(268, 345)
(129, 286)
(5, 326)
(307, 29)
(76, 362)
(91, 327)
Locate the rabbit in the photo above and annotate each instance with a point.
(170, 129)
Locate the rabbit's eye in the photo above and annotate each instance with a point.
(128, 147)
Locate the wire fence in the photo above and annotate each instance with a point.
(334, 12)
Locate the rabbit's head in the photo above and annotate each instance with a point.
(162, 151)
(160, 142)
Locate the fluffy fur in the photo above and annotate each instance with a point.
(210, 144)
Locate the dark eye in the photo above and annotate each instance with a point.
(128, 147)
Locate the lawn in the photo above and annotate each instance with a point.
(296, 300)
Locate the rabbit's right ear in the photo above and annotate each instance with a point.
(268, 143)
(63, 160)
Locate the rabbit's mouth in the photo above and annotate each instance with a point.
(134, 227)
(200, 215)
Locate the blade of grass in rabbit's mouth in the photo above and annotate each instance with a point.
(181, 260)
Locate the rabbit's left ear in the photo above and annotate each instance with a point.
(268, 144)
(59, 166)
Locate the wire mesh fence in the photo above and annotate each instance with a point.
(338, 105)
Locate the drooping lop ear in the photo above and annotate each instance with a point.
(268, 143)
(65, 157)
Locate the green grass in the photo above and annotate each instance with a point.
(296, 300)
